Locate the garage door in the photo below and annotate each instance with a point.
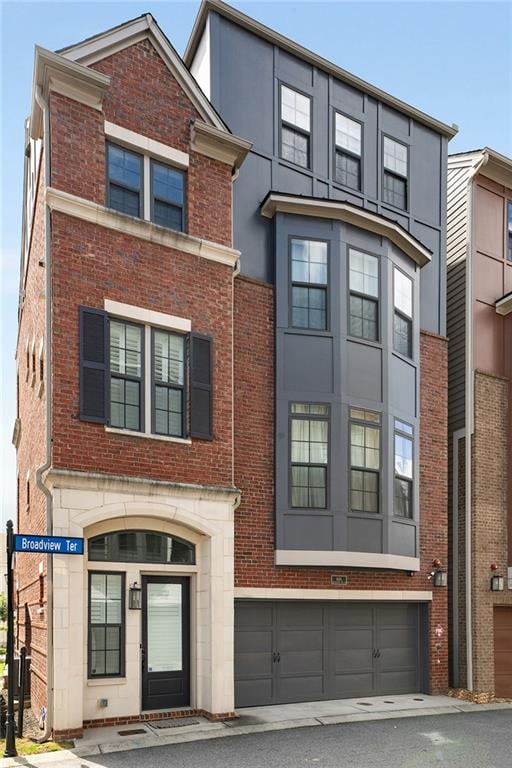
(304, 651)
(503, 652)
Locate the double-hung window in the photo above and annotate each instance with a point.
(364, 460)
(125, 174)
(509, 230)
(364, 295)
(146, 188)
(168, 196)
(168, 383)
(348, 152)
(395, 173)
(402, 319)
(295, 127)
(151, 380)
(309, 451)
(403, 485)
(309, 268)
(106, 625)
(126, 374)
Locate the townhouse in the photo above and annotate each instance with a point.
(340, 372)
(232, 376)
(480, 419)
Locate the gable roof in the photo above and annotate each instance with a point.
(104, 44)
(491, 164)
(237, 17)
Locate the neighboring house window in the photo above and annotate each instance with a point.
(509, 231)
(309, 284)
(124, 180)
(106, 624)
(395, 173)
(403, 488)
(364, 295)
(168, 383)
(348, 152)
(295, 127)
(364, 460)
(168, 196)
(166, 391)
(309, 455)
(126, 373)
(402, 320)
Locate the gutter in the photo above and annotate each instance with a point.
(40, 472)
(469, 419)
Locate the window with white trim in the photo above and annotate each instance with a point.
(295, 127)
(364, 460)
(309, 454)
(364, 295)
(395, 173)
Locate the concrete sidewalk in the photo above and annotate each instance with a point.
(100, 741)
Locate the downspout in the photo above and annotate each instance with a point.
(43, 104)
(469, 419)
(235, 273)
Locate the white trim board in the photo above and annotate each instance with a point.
(80, 208)
(146, 145)
(332, 558)
(275, 593)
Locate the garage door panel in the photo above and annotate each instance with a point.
(503, 652)
(405, 637)
(302, 688)
(396, 681)
(398, 658)
(348, 639)
(353, 684)
(348, 616)
(253, 693)
(257, 615)
(300, 615)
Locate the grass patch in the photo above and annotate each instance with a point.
(28, 747)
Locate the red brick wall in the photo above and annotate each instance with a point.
(254, 470)
(91, 263)
(143, 97)
(30, 585)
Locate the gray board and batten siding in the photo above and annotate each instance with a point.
(310, 651)
(332, 367)
(245, 74)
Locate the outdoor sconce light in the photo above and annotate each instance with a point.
(497, 581)
(135, 597)
(438, 574)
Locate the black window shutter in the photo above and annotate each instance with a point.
(94, 365)
(201, 386)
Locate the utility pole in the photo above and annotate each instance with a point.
(10, 736)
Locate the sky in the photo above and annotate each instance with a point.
(452, 60)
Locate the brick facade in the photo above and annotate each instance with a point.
(30, 584)
(254, 470)
(489, 510)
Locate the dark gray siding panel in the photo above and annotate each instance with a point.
(246, 73)
(333, 368)
(257, 259)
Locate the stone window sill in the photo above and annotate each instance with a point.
(149, 435)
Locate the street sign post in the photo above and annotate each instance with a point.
(43, 545)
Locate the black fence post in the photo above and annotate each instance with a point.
(21, 698)
(10, 738)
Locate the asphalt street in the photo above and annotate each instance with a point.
(482, 740)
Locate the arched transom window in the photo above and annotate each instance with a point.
(141, 547)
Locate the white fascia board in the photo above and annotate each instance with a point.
(331, 558)
(358, 217)
(280, 593)
(146, 145)
(504, 305)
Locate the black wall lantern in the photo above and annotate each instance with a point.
(497, 581)
(135, 597)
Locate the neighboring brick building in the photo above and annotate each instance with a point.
(250, 436)
(480, 375)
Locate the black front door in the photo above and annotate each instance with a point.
(165, 642)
